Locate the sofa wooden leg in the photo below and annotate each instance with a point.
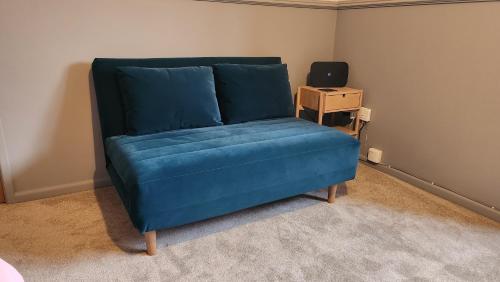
(150, 242)
(332, 190)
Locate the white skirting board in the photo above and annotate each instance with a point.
(57, 190)
(438, 191)
(13, 196)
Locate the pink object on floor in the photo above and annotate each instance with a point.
(8, 273)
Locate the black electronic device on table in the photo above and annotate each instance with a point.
(328, 74)
(325, 75)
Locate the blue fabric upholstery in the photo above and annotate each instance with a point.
(177, 177)
(161, 99)
(253, 92)
(111, 113)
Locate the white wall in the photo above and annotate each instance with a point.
(51, 144)
(431, 74)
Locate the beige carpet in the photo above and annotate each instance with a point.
(382, 229)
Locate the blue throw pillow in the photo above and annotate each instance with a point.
(253, 92)
(161, 99)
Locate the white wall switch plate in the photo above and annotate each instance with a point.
(365, 114)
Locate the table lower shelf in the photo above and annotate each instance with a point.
(346, 130)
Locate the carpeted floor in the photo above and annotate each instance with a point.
(383, 229)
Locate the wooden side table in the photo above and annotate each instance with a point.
(324, 100)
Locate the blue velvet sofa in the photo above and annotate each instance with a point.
(175, 177)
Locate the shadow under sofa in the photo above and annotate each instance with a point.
(176, 177)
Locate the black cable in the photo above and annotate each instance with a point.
(363, 123)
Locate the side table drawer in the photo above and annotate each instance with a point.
(339, 102)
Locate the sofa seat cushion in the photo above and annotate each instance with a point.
(171, 174)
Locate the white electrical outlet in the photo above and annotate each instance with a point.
(365, 114)
(375, 155)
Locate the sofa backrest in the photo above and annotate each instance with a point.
(109, 103)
